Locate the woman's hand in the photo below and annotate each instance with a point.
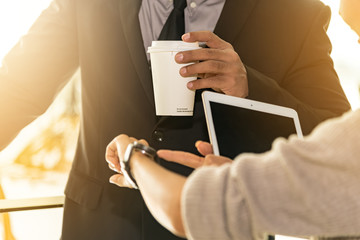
(192, 160)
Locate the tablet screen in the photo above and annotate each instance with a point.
(240, 130)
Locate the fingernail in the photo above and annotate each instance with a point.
(197, 143)
(186, 37)
(179, 57)
(111, 181)
(183, 71)
(190, 85)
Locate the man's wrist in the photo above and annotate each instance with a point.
(137, 158)
(135, 152)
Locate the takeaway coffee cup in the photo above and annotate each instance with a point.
(172, 97)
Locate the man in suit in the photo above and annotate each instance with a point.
(304, 188)
(285, 60)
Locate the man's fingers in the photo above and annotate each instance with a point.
(113, 162)
(122, 141)
(115, 168)
(184, 158)
(111, 156)
(120, 181)
(223, 84)
(132, 139)
(143, 141)
(217, 83)
(201, 55)
(211, 39)
(111, 149)
(115, 149)
(209, 67)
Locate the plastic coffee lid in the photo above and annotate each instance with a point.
(172, 46)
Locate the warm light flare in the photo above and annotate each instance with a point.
(16, 16)
(346, 54)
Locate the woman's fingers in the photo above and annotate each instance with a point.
(204, 148)
(184, 158)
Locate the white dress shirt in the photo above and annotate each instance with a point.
(200, 15)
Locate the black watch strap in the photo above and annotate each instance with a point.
(125, 164)
(146, 150)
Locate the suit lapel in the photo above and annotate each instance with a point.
(235, 13)
(129, 10)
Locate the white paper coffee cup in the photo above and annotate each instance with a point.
(172, 97)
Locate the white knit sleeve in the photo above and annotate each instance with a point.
(213, 207)
(300, 188)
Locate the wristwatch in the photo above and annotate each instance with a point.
(125, 162)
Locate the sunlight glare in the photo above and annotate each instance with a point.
(16, 17)
(346, 54)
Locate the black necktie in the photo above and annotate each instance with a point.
(174, 26)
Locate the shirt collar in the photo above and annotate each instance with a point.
(169, 3)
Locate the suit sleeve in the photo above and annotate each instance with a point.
(37, 67)
(311, 85)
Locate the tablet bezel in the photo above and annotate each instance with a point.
(208, 97)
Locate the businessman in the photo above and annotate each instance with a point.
(272, 51)
(302, 187)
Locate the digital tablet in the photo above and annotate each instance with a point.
(238, 125)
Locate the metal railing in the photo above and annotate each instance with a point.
(12, 205)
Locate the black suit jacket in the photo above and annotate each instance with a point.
(283, 44)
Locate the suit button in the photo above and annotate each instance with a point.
(158, 135)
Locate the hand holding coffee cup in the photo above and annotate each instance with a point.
(219, 67)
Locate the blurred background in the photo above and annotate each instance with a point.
(37, 162)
